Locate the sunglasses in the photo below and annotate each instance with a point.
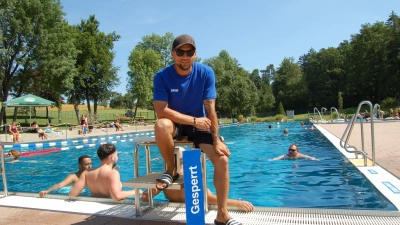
(180, 52)
(292, 150)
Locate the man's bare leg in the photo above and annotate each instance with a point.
(243, 205)
(165, 131)
(221, 180)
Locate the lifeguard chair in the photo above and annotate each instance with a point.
(290, 114)
(149, 180)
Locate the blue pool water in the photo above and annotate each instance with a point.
(331, 182)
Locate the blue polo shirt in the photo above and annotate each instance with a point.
(185, 94)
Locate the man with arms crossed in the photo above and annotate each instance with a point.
(184, 100)
(103, 181)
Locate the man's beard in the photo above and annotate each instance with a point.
(184, 67)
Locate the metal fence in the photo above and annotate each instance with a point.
(72, 115)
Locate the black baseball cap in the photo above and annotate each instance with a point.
(183, 40)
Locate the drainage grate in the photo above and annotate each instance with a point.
(176, 212)
(276, 216)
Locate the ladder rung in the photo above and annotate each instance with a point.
(149, 181)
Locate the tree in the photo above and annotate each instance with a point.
(340, 101)
(97, 74)
(280, 109)
(143, 64)
(235, 90)
(160, 44)
(288, 86)
(394, 51)
(35, 44)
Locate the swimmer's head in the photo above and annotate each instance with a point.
(14, 153)
(84, 162)
(286, 131)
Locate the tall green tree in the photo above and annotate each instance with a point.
(160, 44)
(97, 74)
(394, 53)
(288, 86)
(236, 92)
(323, 76)
(370, 70)
(35, 43)
(143, 64)
(267, 99)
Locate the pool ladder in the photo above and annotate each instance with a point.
(3, 171)
(347, 133)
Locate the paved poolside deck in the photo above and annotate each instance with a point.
(387, 142)
(387, 154)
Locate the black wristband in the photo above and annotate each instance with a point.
(194, 121)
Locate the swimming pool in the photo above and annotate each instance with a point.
(331, 182)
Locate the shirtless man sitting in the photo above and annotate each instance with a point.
(103, 181)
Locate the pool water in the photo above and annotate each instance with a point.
(330, 182)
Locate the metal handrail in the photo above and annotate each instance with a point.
(315, 108)
(377, 109)
(336, 113)
(3, 171)
(347, 133)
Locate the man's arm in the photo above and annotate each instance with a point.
(219, 147)
(279, 157)
(307, 157)
(115, 187)
(68, 180)
(78, 186)
(163, 111)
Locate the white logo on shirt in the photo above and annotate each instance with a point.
(174, 90)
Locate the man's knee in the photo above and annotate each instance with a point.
(221, 162)
(164, 125)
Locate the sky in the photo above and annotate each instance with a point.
(255, 32)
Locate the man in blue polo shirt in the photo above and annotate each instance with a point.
(184, 100)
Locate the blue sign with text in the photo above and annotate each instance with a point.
(193, 185)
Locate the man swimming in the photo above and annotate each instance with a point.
(293, 153)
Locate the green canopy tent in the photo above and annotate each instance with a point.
(28, 101)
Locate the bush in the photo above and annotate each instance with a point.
(240, 118)
(334, 115)
(279, 117)
(254, 119)
(269, 119)
(389, 103)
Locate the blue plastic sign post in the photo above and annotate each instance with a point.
(193, 185)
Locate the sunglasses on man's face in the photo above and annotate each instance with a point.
(180, 52)
(292, 150)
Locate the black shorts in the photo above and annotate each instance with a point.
(197, 137)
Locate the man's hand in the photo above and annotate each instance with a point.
(202, 123)
(43, 193)
(221, 149)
